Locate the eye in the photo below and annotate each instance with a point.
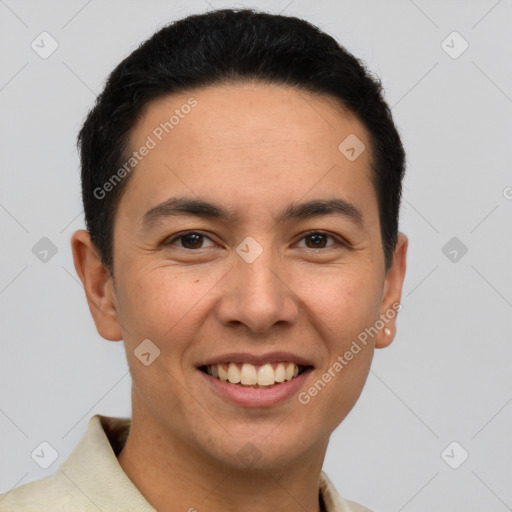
(191, 240)
(318, 240)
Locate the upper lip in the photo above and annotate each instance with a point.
(245, 357)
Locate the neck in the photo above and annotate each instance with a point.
(173, 476)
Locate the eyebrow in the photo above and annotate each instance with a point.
(186, 206)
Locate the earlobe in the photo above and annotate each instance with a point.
(392, 293)
(97, 282)
(385, 337)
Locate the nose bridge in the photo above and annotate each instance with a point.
(259, 278)
(256, 295)
(260, 289)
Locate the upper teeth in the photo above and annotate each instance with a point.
(248, 374)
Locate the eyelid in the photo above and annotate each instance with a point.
(339, 241)
(169, 241)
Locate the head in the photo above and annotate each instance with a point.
(223, 125)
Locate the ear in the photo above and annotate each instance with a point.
(392, 292)
(98, 285)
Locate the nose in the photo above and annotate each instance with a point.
(258, 295)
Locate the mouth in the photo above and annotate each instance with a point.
(265, 376)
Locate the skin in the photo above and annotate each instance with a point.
(254, 149)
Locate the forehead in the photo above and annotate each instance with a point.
(246, 114)
(249, 142)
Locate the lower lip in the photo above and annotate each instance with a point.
(256, 397)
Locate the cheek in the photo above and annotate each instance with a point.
(342, 302)
(167, 306)
(340, 312)
(160, 304)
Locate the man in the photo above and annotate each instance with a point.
(241, 178)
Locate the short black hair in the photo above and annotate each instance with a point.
(230, 46)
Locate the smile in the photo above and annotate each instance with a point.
(255, 376)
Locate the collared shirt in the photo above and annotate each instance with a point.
(92, 480)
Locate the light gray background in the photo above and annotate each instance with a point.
(447, 375)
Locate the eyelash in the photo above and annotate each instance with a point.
(305, 235)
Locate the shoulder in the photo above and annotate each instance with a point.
(355, 507)
(55, 493)
(333, 501)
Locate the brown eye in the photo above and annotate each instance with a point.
(191, 241)
(318, 240)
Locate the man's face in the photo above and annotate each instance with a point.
(252, 150)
